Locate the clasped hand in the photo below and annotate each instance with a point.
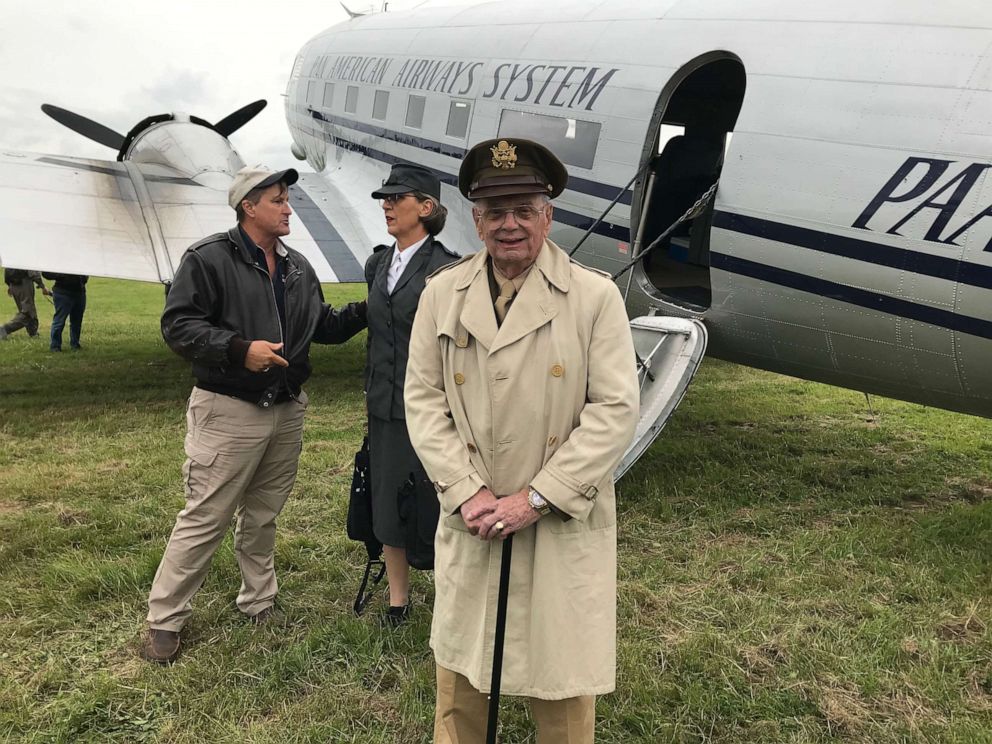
(484, 512)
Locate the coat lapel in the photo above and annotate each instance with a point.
(477, 315)
(535, 304)
(379, 281)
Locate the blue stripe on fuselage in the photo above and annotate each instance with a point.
(565, 217)
(575, 183)
(852, 295)
(916, 262)
(901, 259)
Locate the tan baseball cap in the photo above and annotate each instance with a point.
(255, 177)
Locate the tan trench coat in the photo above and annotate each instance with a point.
(548, 399)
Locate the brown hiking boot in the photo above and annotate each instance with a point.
(160, 646)
(269, 616)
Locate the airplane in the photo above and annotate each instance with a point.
(805, 185)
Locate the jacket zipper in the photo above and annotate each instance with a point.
(275, 305)
(286, 293)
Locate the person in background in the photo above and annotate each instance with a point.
(69, 294)
(20, 286)
(411, 205)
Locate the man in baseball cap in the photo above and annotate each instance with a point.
(254, 177)
(243, 308)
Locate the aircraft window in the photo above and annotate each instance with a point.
(297, 67)
(312, 88)
(351, 100)
(572, 140)
(415, 111)
(667, 132)
(328, 94)
(380, 104)
(458, 115)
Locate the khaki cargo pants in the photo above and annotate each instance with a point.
(241, 461)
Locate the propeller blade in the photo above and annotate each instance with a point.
(86, 127)
(233, 122)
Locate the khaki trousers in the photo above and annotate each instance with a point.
(241, 461)
(462, 713)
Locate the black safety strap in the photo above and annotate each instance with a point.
(694, 211)
(365, 589)
(612, 204)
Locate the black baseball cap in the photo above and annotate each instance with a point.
(406, 178)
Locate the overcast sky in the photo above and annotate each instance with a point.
(117, 62)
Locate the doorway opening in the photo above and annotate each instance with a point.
(689, 135)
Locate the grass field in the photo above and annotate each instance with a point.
(792, 569)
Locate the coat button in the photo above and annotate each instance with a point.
(459, 378)
(471, 448)
(552, 440)
(461, 342)
(557, 370)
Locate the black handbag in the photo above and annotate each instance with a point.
(419, 511)
(360, 527)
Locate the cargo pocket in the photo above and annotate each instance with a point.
(197, 469)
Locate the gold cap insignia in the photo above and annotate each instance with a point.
(504, 155)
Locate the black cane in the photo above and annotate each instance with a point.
(504, 590)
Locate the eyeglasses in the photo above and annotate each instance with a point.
(391, 199)
(521, 213)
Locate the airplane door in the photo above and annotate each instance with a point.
(684, 148)
(669, 351)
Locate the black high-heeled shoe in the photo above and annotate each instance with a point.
(396, 616)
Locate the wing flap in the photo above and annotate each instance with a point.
(73, 215)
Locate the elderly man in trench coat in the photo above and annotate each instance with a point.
(521, 397)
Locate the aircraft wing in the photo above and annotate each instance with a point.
(133, 220)
(334, 239)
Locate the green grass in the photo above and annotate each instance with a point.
(791, 568)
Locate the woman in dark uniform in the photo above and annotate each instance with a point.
(411, 204)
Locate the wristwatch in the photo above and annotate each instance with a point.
(538, 503)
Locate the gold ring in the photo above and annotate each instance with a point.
(499, 526)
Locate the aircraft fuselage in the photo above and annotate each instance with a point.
(849, 238)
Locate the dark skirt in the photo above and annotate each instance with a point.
(391, 460)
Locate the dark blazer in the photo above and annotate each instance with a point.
(390, 320)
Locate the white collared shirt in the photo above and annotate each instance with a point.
(399, 263)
